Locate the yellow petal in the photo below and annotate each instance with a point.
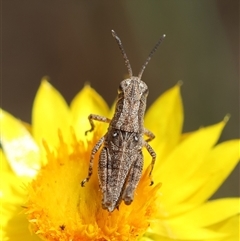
(177, 230)
(230, 227)
(165, 120)
(216, 168)
(17, 228)
(11, 186)
(182, 164)
(145, 239)
(13, 223)
(212, 212)
(4, 165)
(200, 221)
(155, 237)
(50, 113)
(112, 109)
(19, 147)
(7, 176)
(87, 102)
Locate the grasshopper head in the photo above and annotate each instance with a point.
(133, 89)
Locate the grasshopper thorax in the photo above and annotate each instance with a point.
(130, 106)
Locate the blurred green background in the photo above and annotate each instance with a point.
(70, 41)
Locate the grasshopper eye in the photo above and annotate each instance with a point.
(146, 92)
(124, 85)
(120, 90)
(114, 134)
(144, 89)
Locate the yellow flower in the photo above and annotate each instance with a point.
(43, 165)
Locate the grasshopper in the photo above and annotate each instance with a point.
(121, 159)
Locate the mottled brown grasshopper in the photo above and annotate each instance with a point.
(121, 159)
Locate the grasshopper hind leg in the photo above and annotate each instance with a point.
(104, 158)
(133, 180)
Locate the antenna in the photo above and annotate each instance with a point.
(127, 63)
(150, 55)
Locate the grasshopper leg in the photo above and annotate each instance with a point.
(149, 134)
(96, 118)
(133, 179)
(93, 153)
(153, 155)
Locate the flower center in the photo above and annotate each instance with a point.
(59, 208)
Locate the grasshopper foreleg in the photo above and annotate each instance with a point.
(96, 118)
(149, 134)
